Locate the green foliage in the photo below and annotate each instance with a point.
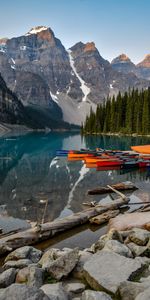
(128, 113)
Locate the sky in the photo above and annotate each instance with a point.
(116, 26)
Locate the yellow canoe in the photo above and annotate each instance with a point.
(145, 149)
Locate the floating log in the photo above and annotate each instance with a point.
(118, 186)
(45, 231)
(105, 217)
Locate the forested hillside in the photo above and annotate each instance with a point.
(128, 113)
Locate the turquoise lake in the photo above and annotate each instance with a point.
(31, 175)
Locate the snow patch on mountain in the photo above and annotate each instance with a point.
(54, 97)
(36, 30)
(85, 89)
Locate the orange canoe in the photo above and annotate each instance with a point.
(94, 160)
(79, 155)
(145, 149)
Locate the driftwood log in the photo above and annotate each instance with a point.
(123, 186)
(105, 217)
(45, 231)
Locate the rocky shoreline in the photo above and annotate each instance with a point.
(117, 266)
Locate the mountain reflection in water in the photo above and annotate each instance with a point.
(31, 174)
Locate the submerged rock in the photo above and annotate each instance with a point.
(106, 270)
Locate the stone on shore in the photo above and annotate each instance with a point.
(145, 295)
(138, 236)
(55, 291)
(31, 275)
(139, 250)
(22, 292)
(128, 290)
(26, 252)
(106, 270)
(93, 295)
(75, 287)
(7, 277)
(18, 264)
(60, 266)
(78, 270)
(117, 247)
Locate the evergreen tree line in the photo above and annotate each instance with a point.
(128, 113)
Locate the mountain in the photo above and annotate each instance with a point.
(122, 63)
(52, 82)
(144, 67)
(11, 109)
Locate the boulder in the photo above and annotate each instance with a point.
(31, 275)
(55, 291)
(117, 247)
(18, 264)
(78, 270)
(75, 287)
(7, 277)
(59, 265)
(22, 292)
(138, 236)
(145, 295)
(26, 252)
(106, 270)
(128, 290)
(93, 295)
(139, 250)
(111, 235)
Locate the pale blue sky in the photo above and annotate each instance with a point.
(116, 26)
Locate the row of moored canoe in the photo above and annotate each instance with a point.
(108, 158)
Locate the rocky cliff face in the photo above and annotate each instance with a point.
(65, 84)
(123, 64)
(144, 67)
(11, 109)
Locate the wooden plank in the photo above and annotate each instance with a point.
(105, 217)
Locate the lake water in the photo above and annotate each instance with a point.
(31, 174)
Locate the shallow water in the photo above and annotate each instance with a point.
(31, 175)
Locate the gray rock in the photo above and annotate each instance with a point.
(26, 252)
(139, 236)
(92, 295)
(18, 264)
(111, 235)
(36, 277)
(7, 277)
(129, 290)
(117, 247)
(31, 275)
(78, 270)
(106, 270)
(55, 291)
(139, 250)
(59, 264)
(75, 287)
(22, 292)
(145, 295)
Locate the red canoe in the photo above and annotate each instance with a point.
(109, 163)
